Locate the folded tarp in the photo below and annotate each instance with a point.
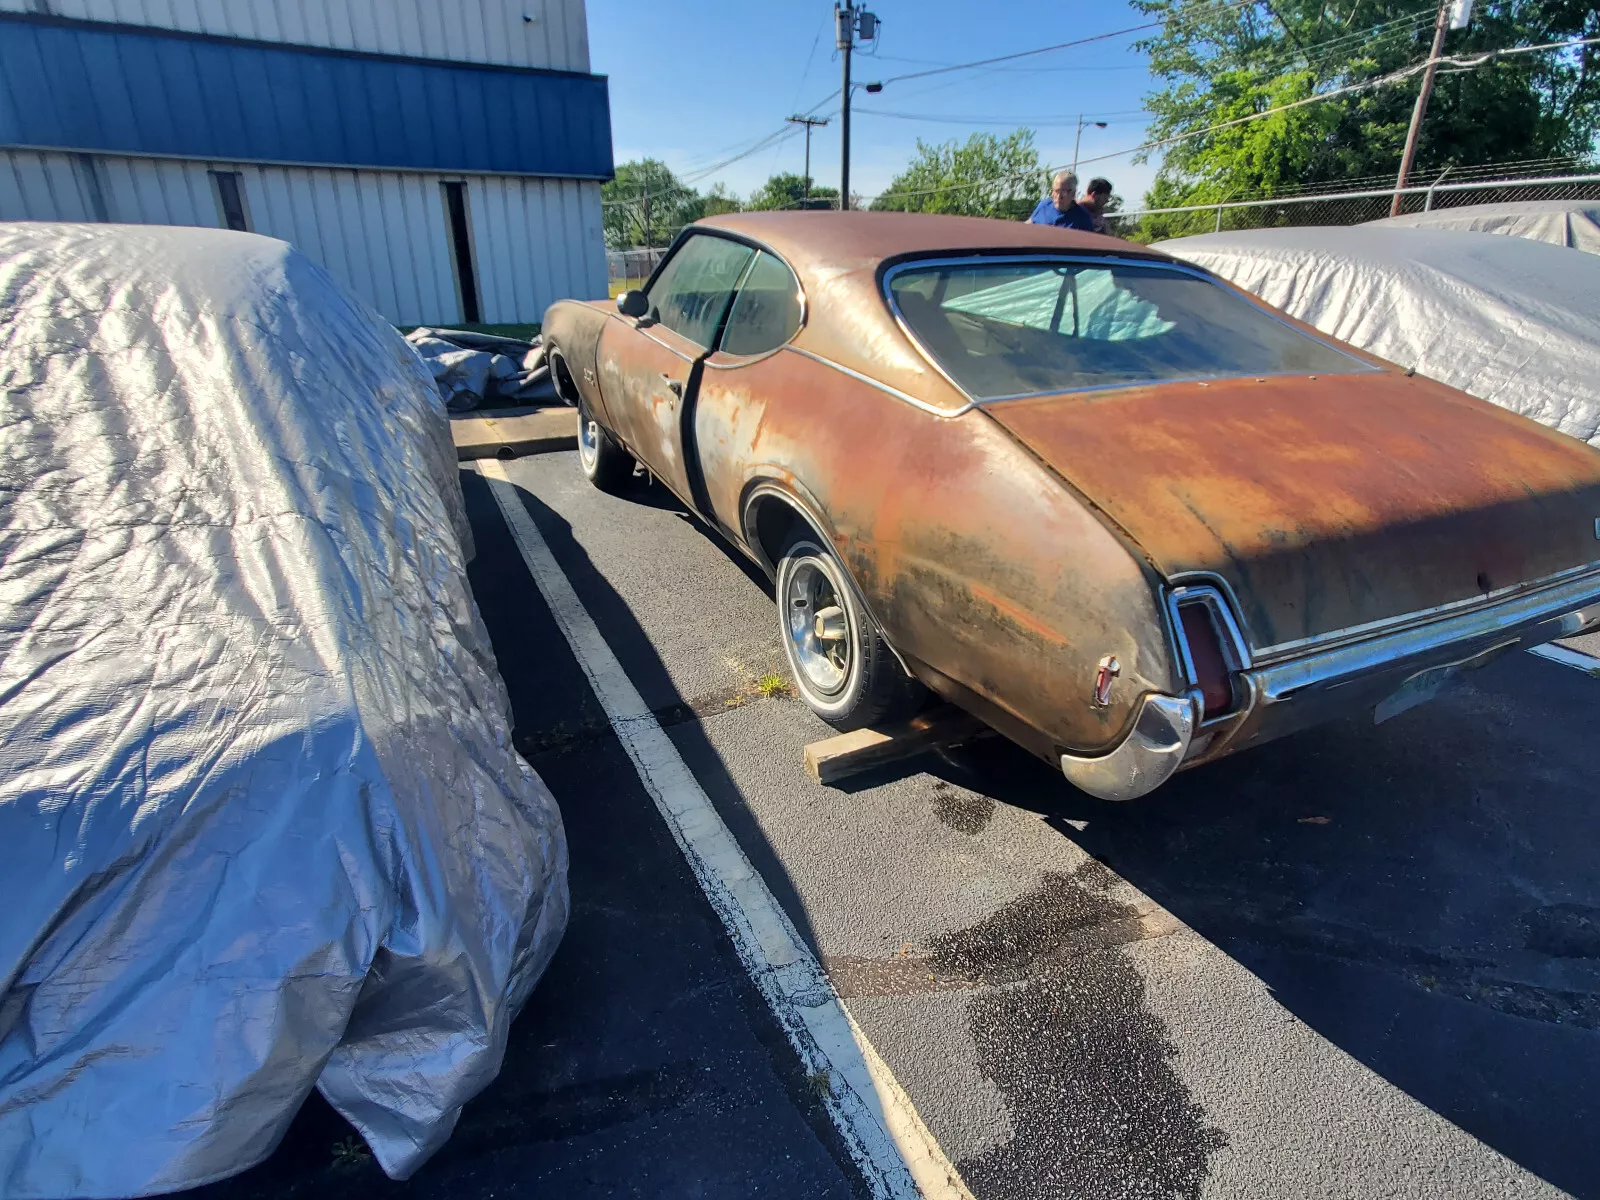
(1515, 322)
(1571, 223)
(261, 824)
(471, 367)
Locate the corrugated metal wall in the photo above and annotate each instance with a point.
(381, 233)
(487, 31)
(73, 85)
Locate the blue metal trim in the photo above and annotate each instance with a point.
(118, 89)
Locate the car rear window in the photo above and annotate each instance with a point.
(1021, 328)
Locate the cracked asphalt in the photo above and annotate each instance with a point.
(1361, 961)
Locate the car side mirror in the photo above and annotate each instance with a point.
(633, 304)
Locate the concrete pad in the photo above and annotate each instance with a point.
(513, 432)
(1584, 643)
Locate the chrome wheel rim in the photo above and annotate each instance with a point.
(819, 630)
(588, 439)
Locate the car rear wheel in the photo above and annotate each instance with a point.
(842, 667)
(605, 464)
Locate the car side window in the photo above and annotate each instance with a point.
(766, 312)
(692, 292)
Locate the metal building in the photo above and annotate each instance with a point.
(442, 158)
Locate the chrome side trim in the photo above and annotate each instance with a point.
(881, 386)
(1198, 380)
(1149, 756)
(1361, 365)
(1267, 655)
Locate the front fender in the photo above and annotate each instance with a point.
(572, 330)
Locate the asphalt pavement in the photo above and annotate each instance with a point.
(1361, 961)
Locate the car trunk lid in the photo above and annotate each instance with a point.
(1325, 503)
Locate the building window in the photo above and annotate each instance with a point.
(455, 204)
(229, 186)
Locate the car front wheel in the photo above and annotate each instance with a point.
(842, 667)
(605, 464)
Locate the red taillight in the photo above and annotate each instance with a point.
(1205, 653)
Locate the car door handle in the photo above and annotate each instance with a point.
(673, 385)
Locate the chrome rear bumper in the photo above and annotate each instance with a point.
(1341, 676)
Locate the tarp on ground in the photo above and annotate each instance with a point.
(261, 824)
(1571, 223)
(1515, 322)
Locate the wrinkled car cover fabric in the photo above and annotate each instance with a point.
(261, 823)
(1514, 322)
(1571, 223)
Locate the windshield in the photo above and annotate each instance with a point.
(1005, 328)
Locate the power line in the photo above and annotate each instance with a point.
(1404, 73)
(1098, 37)
(1017, 121)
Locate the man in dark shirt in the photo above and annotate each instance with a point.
(1061, 207)
(1095, 200)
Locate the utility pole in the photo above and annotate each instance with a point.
(647, 246)
(1453, 14)
(848, 22)
(808, 122)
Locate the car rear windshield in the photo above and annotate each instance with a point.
(1020, 328)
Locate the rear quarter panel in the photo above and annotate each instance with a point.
(978, 562)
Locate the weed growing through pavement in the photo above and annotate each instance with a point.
(772, 685)
(352, 1152)
(821, 1083)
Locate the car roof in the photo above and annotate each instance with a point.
(855, 239)
(837, 256)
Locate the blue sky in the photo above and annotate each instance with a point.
(694, 82)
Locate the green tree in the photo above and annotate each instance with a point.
(988, 176)
(719, 200)
(1219, 63)
(788, 190)
(640, 187)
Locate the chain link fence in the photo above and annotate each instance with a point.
(1351, 206)
(630, 267)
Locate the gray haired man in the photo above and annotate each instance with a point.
(1061, 206)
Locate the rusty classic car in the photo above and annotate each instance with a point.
(1128, 515)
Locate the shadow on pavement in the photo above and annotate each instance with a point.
(1425, 894)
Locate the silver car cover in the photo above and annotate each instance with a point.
(1574, 224)
(1512, 321)
(261, 823)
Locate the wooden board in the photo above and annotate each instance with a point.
(851, 753)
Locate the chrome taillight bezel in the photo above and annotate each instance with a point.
(1230, 639)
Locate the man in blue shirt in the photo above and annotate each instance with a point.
(1061, 207)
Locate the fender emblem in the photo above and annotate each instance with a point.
(1104, 674)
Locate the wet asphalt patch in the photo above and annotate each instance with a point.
(962, 811)
(1081, 1063)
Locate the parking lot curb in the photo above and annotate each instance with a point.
(513, 432)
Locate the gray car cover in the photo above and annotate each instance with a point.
(1512, 321)
(1571, 223)
(261, 824)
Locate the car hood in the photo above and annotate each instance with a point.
(1326, 503)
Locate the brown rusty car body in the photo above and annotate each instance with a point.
(1222, 559)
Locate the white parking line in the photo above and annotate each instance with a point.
(1575, 659)
(885, 1135)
